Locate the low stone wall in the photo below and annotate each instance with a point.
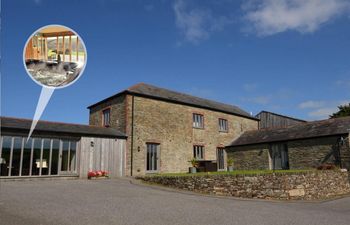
(310, 185)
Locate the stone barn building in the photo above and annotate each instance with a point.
(166, 129)
(301, 146)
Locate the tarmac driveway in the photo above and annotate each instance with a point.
(120, 202)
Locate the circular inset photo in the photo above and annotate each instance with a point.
(55, 56)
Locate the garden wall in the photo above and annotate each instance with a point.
(310, 185)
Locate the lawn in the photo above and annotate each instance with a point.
(235, 172)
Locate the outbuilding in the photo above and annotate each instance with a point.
(59, 149)
(300, 146)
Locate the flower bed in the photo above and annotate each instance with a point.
(97, 174)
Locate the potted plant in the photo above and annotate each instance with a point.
(97, 174)
(230, 164)
(194, 163)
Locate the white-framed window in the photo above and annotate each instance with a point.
(198, 152)
(106, 117)
(223, 125)
(198, 120)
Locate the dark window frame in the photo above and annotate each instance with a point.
(152, 164)
(104, 122)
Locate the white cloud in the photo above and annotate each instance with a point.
(268, 17)
(322, 113)
(343, 83)
(250, 87)
(197, 24)
(311, 104)
(262, 100)
(321, 109)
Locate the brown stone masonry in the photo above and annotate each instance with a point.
(287, 186)
(170, 125)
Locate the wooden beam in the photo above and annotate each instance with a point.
(63, 48)
(66, 33)
(46, 50)
(70, 48)
(77, 48)
(57, 47)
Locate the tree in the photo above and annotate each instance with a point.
(344, 110)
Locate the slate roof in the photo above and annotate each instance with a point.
(150, 91)
(19, 124)
(321, 128)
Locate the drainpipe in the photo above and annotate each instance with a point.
(132, 135)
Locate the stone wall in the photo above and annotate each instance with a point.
(302, 154)
(117, 113)
(250, 157)
(310, 153)
(310, 185)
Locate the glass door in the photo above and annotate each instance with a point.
(67, 164)
(221, 159)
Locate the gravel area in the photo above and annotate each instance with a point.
(117, 201)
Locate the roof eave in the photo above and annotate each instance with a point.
(169, 100)
(282, 140)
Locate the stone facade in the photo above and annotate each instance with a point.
(117, 105)
(311, 153)
(250, 157)
(302, 154)
(147, 120)
(285, 186)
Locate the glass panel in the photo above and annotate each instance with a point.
(148, 158)
(46, 157)
(5, 155)
(66, 49)
(72, 155)
(55, 156)
(52, 48)
(36, 156)
(60, 49)
(221, 159)
(26, 157)
(16, 156)
(155, 157)
(152, 157)
(65, 160)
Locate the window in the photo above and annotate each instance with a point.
(198, 152)
(221, 158)
(152, 157)
(106, 117)
(37, 156)
(198, 120)
(223, 125)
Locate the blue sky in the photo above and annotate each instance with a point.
(290, 57)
